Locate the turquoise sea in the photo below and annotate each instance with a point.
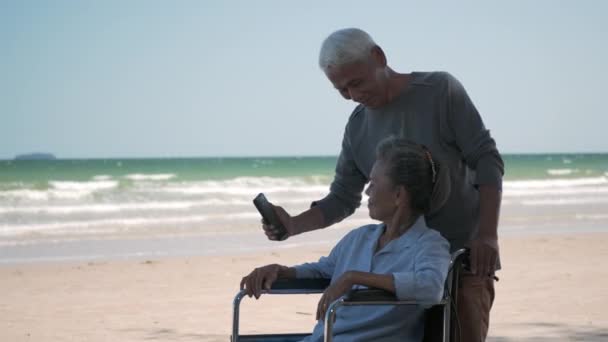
(44, 201)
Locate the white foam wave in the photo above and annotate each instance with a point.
(243, 191)
(557, 191)
(248, 186)
(78, 190)
(562, 172)
(85, 226)
(98, 208)
(565, 201)
(154, 177)
(591, 216)
(244, 186)
(61, 190)
(143, 206)
(43, 195)
(84, 186)
(34, 195)
(119, 224)
(552, 183)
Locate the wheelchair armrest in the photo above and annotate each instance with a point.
(370, 295)
(301, 284)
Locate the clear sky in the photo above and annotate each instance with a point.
(240, 78)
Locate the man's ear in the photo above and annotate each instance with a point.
(379, 56)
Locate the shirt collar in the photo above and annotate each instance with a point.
(406, 240)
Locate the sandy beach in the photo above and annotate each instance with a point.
(552, 288)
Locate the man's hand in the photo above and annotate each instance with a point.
(260, 279)
(272, 232)
(484, 248)
(484, 252)
(333, 292)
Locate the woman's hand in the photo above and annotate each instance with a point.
(336, 290)
(260, 279)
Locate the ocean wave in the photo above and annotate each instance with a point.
(98, 208)
(84, 227)
(41, 195)
(102, 177)
(119, 225)
(552, 183)
(202, 190)
(142, 206)
(591, 216)
(84, 186)
(555, 191)
(60, 190)
(153, 177)
(562, 172)
(248, 186)
(565, 201)
(28, 194)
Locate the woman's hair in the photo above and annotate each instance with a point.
(345, 46)
(412, 165)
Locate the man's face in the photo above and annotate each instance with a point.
(363, 82)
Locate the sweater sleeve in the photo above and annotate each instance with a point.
(346, 188)
(470, 135)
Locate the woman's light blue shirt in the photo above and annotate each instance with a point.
(418, 261)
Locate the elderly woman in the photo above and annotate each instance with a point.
(401, 254)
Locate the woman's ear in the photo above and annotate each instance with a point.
(402, 197)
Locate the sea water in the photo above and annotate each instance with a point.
(43, 201)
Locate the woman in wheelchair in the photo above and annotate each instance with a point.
(400, 255)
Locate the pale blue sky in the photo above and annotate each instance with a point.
(240, 78)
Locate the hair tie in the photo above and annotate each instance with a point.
(428, 155)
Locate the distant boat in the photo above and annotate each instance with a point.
(35, 156)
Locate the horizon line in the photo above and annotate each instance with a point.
(266, 156)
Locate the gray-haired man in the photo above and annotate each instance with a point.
(432, 109)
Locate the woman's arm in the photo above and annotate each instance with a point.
(372, 280)
(262, 278)
(346, 281)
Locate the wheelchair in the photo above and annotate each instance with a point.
(440, 324)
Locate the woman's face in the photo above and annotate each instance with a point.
(383, 195)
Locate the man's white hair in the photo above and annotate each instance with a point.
(345, 46)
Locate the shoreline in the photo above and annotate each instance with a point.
(550, 289)
(110, 248)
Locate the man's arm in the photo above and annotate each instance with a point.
(343, 199)
(484, 249)
(480, 153)
(308, 220)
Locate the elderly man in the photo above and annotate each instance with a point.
(430, 108)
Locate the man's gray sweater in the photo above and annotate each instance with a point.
(433, 110)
